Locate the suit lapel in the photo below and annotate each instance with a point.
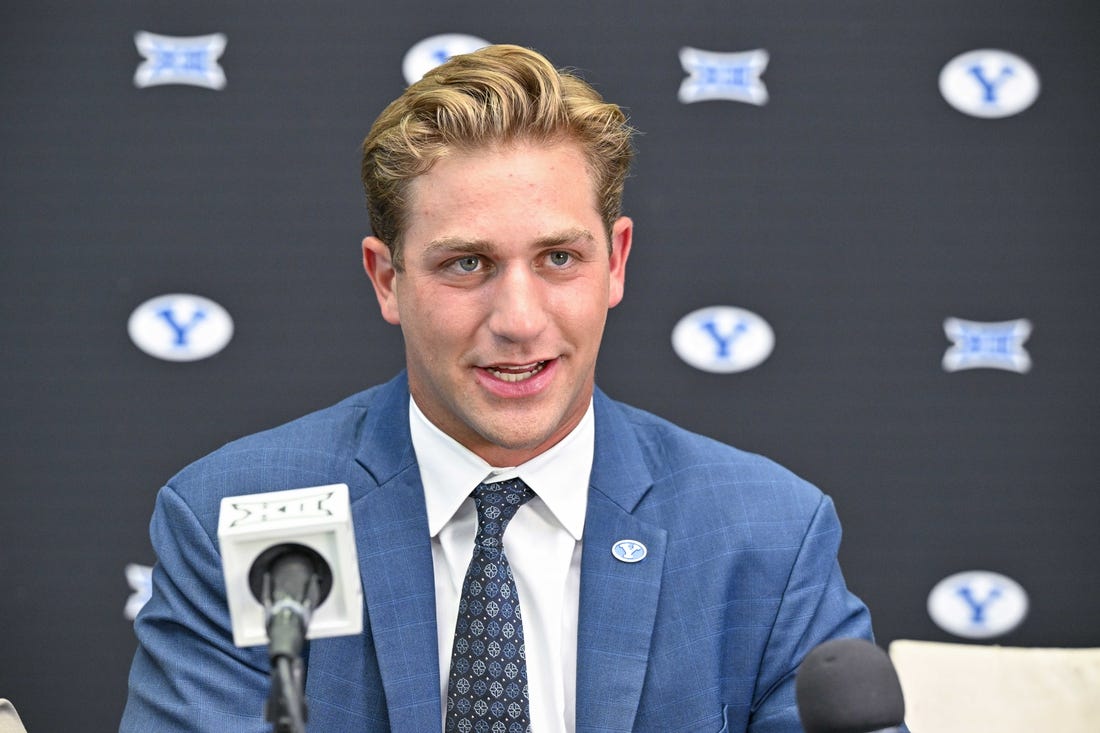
(395, 562)
(618, 603)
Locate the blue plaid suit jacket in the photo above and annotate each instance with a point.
(705, 634)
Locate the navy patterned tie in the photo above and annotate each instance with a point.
(488, 687)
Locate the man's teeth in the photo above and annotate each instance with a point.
(517, 373)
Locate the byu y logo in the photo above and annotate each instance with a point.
(723, 339)
(978, 604)
(989, 83)
(429, 53)
(732, 76)
(180, 60)
(180, 327)
(630, 551)
(979, 345)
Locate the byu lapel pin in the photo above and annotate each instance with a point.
(629, 551)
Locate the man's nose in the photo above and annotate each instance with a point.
(518, 309)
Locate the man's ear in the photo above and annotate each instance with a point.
(622, 234)
(378, 263)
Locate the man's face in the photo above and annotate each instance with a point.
(504, 294)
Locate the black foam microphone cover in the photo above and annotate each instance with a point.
(848, 686)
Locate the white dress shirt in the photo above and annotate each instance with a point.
(543, 545)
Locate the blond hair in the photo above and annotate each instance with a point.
(496, 95)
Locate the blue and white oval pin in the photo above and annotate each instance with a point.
(629, 551)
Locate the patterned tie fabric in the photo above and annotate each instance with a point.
(488, 685)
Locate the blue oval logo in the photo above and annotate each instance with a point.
(977, 604)
(431, 52)
(723, 339)
(989, 83)
(180, 327)
(629, 551)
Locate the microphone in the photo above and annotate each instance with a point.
(261, 532)
(291, 573)
(290, 580)
(849, 686)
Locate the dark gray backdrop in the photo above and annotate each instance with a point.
(855, 211)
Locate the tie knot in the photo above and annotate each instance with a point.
(496, 505)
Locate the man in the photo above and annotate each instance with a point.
(665, 582)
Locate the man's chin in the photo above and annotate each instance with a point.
(513, 443)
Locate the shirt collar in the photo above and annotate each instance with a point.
(450, 471)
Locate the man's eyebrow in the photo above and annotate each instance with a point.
(484, 246)
(576, 234)
(457, 244)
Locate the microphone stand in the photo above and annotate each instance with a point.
(287, 620)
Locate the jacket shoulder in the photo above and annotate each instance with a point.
(312, 450)
(679, 459)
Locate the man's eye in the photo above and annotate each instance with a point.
(560, 259)
(468, 264)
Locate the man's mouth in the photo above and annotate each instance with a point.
(518, 373)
